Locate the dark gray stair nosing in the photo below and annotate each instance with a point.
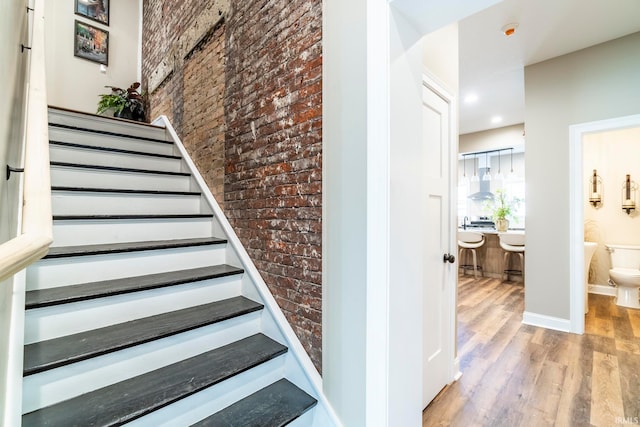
(276, 405)
(129, 216)
(111, 248)
(113, 150)
(125, 190)
(47, 297)
(108, 133)
(118, 169)
(45, 355)
(135, 397)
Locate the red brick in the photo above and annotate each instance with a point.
(247, 103)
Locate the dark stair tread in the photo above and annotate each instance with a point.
(112, 150)
(129, 216)
(138, 396)
(274, 406)
(124, 190)
(108, 133)
(50, 354)
(65, 294)
(109, 248)
(118, 169)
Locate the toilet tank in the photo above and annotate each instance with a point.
(624, 256)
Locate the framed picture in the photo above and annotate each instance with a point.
(98, 10)
(91, 43)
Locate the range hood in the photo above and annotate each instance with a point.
(484, 193)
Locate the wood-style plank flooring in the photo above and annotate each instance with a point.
(520, 375)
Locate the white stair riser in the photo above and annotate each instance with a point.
(96, 203)
(60, 384)
(89, 232)
(59, 153)
(100, 140)
(307, 420)
(105, 124)
(95, 178)
(66, 319)
(54, 272)
(213, 399)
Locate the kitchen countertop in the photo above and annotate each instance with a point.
(487, 230)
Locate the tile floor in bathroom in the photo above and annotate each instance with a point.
(520, 375)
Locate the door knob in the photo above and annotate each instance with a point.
(450, 258)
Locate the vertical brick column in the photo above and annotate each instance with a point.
(203, 124)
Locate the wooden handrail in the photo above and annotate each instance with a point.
(37, 228)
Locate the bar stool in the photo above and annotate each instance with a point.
(512, 243)
(470, 240)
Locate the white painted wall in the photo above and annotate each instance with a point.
(593, 84)
(613, 154)
(75, 83)
(440, 58)
(406, 226)
(355, 325)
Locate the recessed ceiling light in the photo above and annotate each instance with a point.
(496, 119)
(470, 98)
(509, 29)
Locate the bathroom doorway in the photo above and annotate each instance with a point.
(611, 197)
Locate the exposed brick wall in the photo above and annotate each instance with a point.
(203, 121)
(272, 102)
(192, 96)
(273, 188)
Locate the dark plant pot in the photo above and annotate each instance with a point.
(130, 115)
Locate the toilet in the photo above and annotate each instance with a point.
(625, 273)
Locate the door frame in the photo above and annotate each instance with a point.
(431, 82)
(576, 210)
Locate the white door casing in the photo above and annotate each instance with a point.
(438, 273)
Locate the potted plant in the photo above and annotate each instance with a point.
(125, 103)
(501, 209)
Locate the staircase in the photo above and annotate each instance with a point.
(147, 311)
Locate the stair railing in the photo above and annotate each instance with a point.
(34, 221)
(36, 230)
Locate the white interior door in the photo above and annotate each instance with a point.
(438, 274)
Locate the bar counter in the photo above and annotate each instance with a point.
(490, 256)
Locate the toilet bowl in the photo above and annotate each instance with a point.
(625, 274)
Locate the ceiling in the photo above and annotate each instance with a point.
(492, 65)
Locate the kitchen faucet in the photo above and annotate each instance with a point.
(464, 222)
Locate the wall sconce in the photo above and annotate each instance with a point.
(595, 189)
(628, 195)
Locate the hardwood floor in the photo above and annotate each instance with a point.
(520, 375)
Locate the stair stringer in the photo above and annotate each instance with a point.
(299, 367)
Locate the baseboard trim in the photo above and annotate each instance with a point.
(548, 322)
(456, 369)
(603, 290)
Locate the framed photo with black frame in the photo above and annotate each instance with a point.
(97, 10)
(91, 43)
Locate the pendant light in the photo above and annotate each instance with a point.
(487, 168)
(475, 177)
(499, 176)
(464, 181)
(511, 175)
